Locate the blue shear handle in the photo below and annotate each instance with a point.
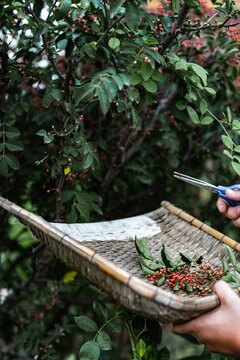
(222, 195)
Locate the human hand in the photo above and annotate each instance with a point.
(232, 213)
(219, 329)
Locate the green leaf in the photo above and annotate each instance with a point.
(146, 270)
(176, 5)
(177, 262)
(236, 167)
(132, 16)
(192, 3)
(96, 3)
(114, 326)
(114, 6)
(207, 120)
(161, 281)
(181, 104)
(69, 47)
(229, 115)
(66, 195)
(237, 148)
(141, 348)
(150, 85)
(200, 71)
(85, 4)
(90, 50)
(203, 106)
(114, 43)
(3, 166)
(165, 257)
(231, 255)
(12, 132)
(73, 216)
(104, 341)
(229, 278)
(228, 154)
(176, 286)
(103, 99)
(225, 264)
(118, 80)
(57, 94)
(193, 115)
(199, 259)
(47, 98)
(188, 287)
(146, 70)
(12, 161)
(135, 79)
(63, 10)
(135, 116)
(85, 323)
(82, 92)
(89, 351)
(96, 208)
(173, 58)
(48, 139)
(181, 65)
(142, 248)
(210, 91)
(236, 125)
(14, 146)
(110, 87)
(227, 141)
(156, 56)
(156, 75)
(133, 94)
(82, 205)
(37, 7)
(41, 132)
(152, 264)
(100, 309)
(186, 259)
(237, 269)
(125, 79)
(88, 160)
(62, 43)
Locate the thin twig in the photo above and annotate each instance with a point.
(209, 26)
(61, 134)
(50, 11)
(49, 55)
(109, 28)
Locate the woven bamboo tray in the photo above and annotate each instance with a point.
(105, 254)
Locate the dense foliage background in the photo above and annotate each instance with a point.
(100, 101)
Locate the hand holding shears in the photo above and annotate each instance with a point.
(220, 190)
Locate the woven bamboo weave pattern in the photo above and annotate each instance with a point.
(113, 265)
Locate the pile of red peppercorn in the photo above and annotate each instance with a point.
(185, 273)
(189, 278)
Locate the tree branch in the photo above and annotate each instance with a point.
(49, 55)
(176, 29)
(208, 26)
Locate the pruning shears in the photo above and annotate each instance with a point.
(220, 190)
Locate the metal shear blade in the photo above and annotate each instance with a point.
(199, 183)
